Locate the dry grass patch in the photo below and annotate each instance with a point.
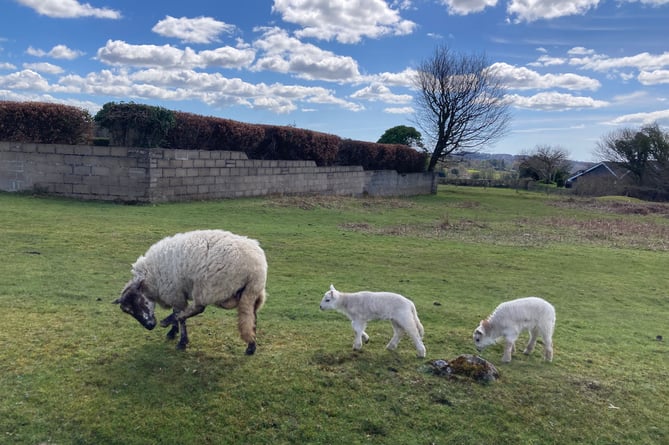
(311, 202)
(615, 204)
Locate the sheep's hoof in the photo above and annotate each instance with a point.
(182, 345)
(251, 348)
(170, 319)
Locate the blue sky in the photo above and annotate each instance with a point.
(575, 70)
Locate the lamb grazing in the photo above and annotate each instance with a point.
(206, 267)
(531, 314)
(361, 307)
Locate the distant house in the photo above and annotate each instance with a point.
(602, 178)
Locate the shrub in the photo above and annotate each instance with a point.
(289, 143)
(135, 125)
(195, 132)
(44, 123)
(373, 156)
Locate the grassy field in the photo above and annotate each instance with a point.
(75, 370)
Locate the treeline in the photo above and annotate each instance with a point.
(138, 125)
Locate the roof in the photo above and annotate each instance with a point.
(615, 170)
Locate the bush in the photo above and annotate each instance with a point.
(195, 132)
(44, 123)
(289, 143)
(373, 156)
(135, 125)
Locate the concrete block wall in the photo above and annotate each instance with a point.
(161, 175)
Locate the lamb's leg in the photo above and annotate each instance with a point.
(508, 349)
(397, 336)
(414, 333)
(534, 332)
(548, 348)
(359, 328)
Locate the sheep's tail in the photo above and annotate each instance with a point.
(250, 302)
(419, 325)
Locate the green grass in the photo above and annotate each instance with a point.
(75, 370)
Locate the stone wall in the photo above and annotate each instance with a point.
(160, 175)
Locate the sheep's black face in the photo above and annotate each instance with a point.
(135, 303)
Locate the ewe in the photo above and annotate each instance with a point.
(205, 267)
(531, 314)
(361, 307)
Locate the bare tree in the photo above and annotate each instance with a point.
(547, 163)
(460, 103)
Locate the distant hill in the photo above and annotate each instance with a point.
(510, 159)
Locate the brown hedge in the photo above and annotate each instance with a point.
(374, 156)
(195, 132)
(290, 143)
(44, 123)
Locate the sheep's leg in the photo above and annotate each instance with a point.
(171, 320)
(246, 320)
(183, 340)
(534, 333)
(360, 334)
(179, 323)
(397, 335)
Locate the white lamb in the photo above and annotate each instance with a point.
(361, 307)
(531, 314)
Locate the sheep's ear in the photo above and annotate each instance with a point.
(485, 325)
(332, 288)
(117, 301)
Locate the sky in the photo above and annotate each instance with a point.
(575, 71)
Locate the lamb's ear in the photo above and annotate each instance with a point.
(117, 301)
(332, 288)
(485, 325)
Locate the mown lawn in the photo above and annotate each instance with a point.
(75, 370)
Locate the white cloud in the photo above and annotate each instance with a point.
(546, 60)
(650, 2)
(400, 110)
(192, 30)
(47, 68)
(641, 61)
(404, 78)
(660, 116)
(285, 54)
(521, 78)
(120, 53)
(552, 101)
(381, 93)
(7, 66)
(69, 9)
(57, 52)
(653, 77)
(343, 20)
(532, 10)
(27, 80)
(465, 7)
(210, 88)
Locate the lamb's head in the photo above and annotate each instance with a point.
(329, 300)
(133, 301)
(482, 337)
